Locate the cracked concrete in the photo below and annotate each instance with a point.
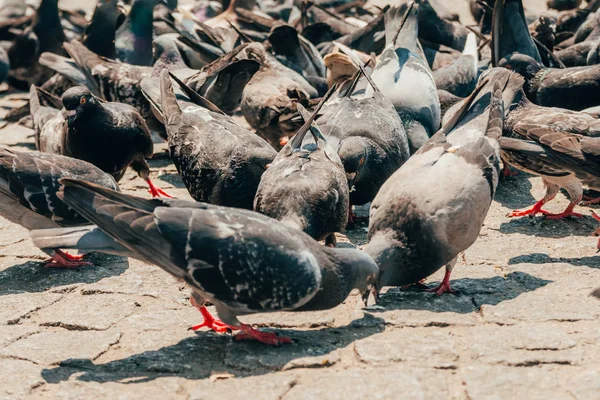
(523, 325)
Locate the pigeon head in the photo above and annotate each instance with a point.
(522, 64)
(359, 156)
(357, 270)
(76, 101)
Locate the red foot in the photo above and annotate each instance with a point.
(353, 218)
(209, 321)
(283, 141)
(420, 285)
(156, 192)
(444, 286)
(567, 213)
(62, 259)
(590, 200)
(507, 172)
(249, 333)
(537, 208)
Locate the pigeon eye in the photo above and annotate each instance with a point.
(82, 101)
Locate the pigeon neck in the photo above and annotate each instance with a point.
(48, 23)
(140, 19)
(100, 34)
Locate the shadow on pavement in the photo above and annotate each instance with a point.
(33, 277)
(473, 293)
(198, 357)
(541, 258)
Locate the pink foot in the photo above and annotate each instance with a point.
(62, 259)
(249, 333)
(590, 200)
(155, 191)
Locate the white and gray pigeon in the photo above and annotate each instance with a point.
(28, 187)
(241, 261)
(404, 77)
(433, 207)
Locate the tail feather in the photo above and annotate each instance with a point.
(471, 50)
(85, 239)
(64, 66)
(171, 111)
(86, 60)
(401, 27)
(496, 118)
(128, 220)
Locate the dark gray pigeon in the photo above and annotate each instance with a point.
(241, 261)
(219, 161)
(433, 207)
(305, 186)
(112, 136)
(28, 188)
(133, 41)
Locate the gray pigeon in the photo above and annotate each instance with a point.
(220, 162)
(433, 207)
(241, 261)
(270, 98)
(305, 187)
(28, 188)
(369, 136)
(403, 76)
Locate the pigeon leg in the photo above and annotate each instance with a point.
(419, 285)
(567, 213)
(590, 200)
(535, 209)
(209, 321)
(330, 240)
(249, 333)
(507, 172)
(61, 259)
(444, 286)
(353, 218)
(155, 191)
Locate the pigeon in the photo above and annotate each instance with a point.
(28, 188)
(241, 261)
(564, 160)
(369, 137)
(297, 53)
(305, 186)
(403, 76)
(574, 88)
(269, 99)
(44, 35)
(133, 41)
(219, 161)
(99, 35)
(433, 207)
(111, 136)
(460, 78)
